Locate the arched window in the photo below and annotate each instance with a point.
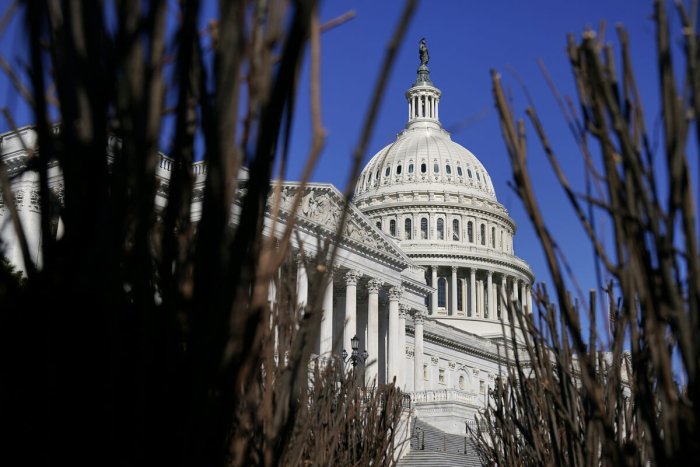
(501, 244)
(387, 172)
(470, 231)
(398, 170)
(379, 225)
(448, 169)
(460, 287)
(455, 230)
(424, 228)
(423, 168)
(442, 292)
(469, 172)
(407, 231)
(441, 229)
(493, 237)
(410, 168)
(461, 382)
(482, 231)
(459, 171)
(478, 177)
(436, 167)
(392, 228)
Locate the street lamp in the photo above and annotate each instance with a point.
(355, 355)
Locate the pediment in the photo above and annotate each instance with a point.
(321, 209)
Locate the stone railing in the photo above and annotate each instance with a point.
(443, 395)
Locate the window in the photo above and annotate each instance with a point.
(478, 177)
(442, 292)
(410, 168)
(441, 229)
(459, 171)
(376, 174)
(455, 230)
(448, 169)
(441, 376)
(425, 372)
(392, 228)
(423, 168)
(501, 244)
(387, 172)
(482, 231)
(436, 167)
(424, 228)
(379, 225)
(493, 237)
(460, 288)
(461, 382)
(469, 172)
(470, 231)
(482, 387)
(398, 170)
(407, 231)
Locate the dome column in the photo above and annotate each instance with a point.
(529, 299)
(453, 292)
(433, 283)
(418, 353)
(491, 311)
(523, 295)
(472, 292)
(371, 370)
(503, 294)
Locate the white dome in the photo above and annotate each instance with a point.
(424, 157)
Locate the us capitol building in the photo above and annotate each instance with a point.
(424, 268)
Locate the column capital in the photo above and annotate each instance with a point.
(352, 276)
(454, 268)
(373, 285)
(489, 272)
(418, 318)
(403, 310)
(395, 293)
(300, 259)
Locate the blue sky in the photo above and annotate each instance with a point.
(466, 40)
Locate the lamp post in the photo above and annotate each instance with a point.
(355, 355)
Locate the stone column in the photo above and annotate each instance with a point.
(502, 299)
(393, 360)
(523, 295)
(434, 295)
(529, 299)
(453, 292)
(418, 352)
(472, 292)
(351, 278)
(372, 368)
(403, 311)
(489, 296)
(515, 289)
(326, 338)
(302, 283)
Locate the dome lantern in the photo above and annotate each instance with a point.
(423, 97)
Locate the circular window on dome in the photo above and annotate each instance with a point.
(448, 169)
(410, 168)
(469, 172)
(459, 171)
(436, 167)
(398, 170)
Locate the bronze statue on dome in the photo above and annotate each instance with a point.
(423, 52)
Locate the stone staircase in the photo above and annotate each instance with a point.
(431, 447)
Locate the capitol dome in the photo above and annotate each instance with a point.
(437, 201)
